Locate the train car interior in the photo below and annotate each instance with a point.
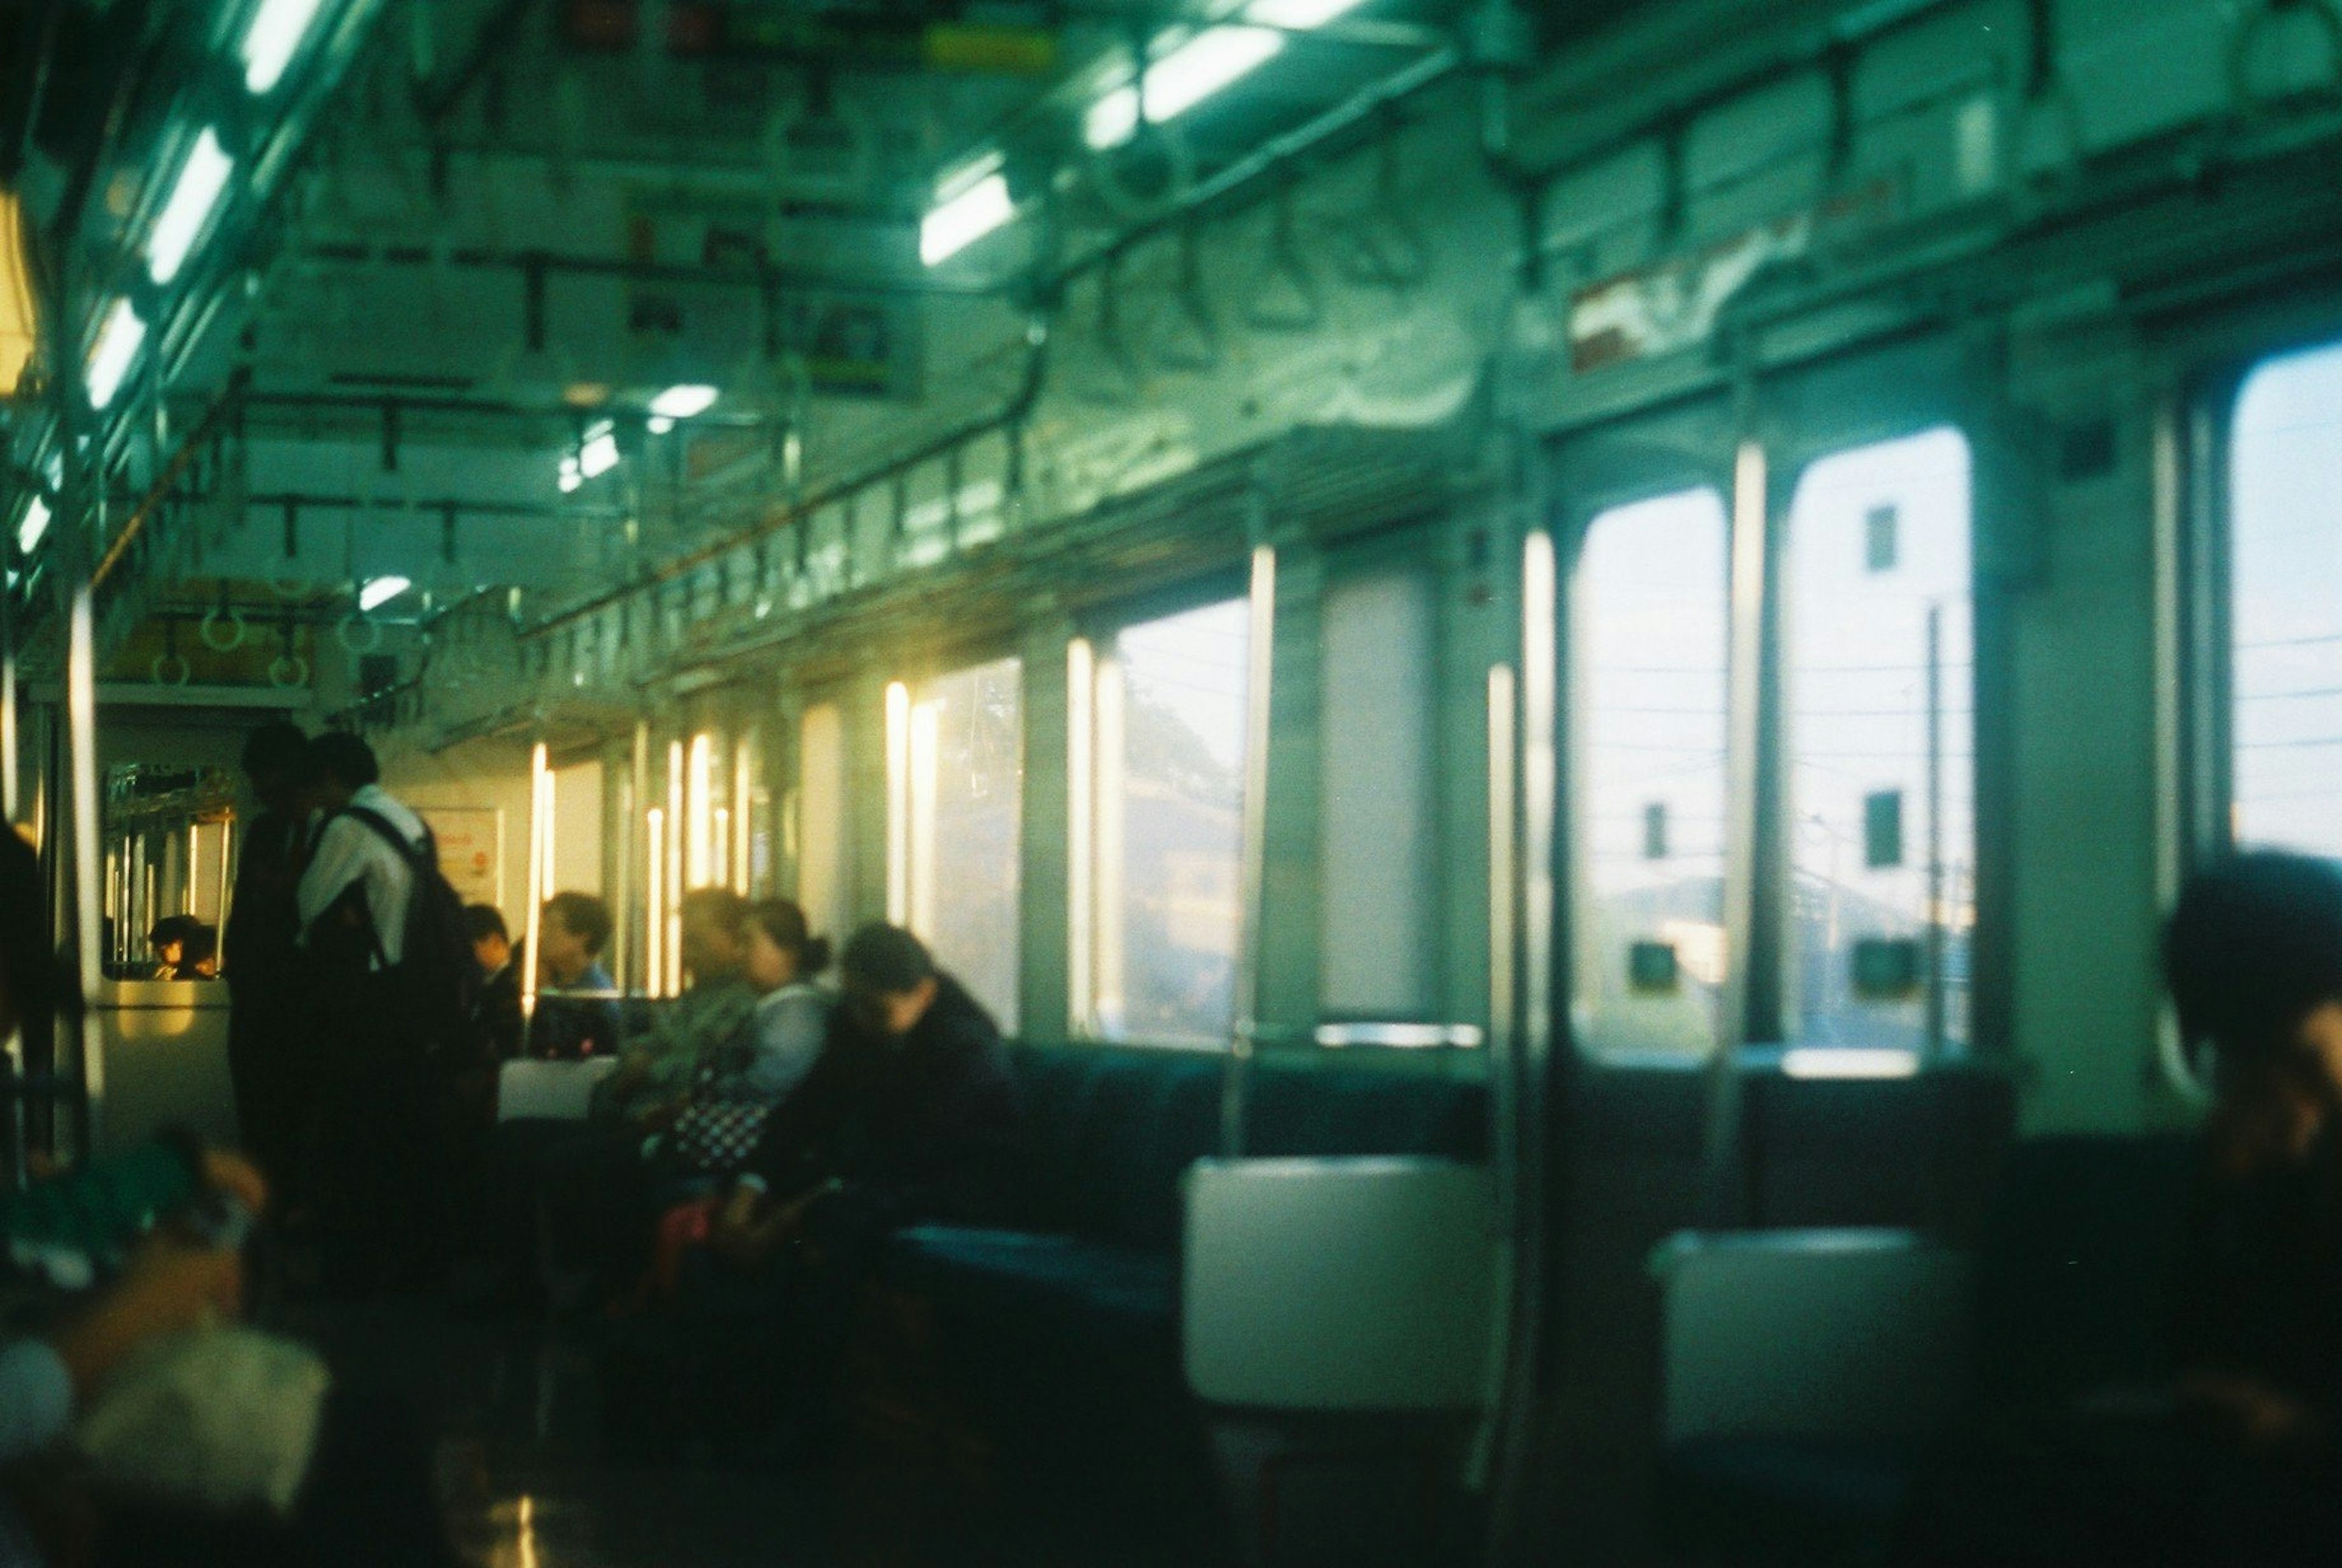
(1265, 783)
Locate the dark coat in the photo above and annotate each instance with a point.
(924, 1128)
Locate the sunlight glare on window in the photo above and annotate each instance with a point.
(1647, 612)
(2284, 577)
(1881, 742)
(1170, 742)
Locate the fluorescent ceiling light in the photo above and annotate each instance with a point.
(117, 345)
(570, 478)
(658, 424)
(381, 591)
(1181, 79)
(960, 219)
(598, 453)
(277, 31)
(35, 525)
(202, 179)
(1298, 16)
(683, 402)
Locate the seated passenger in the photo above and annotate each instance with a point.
(570, 933)
(2254, 958)
(655, 1075)
(168, 941)
(743, 1079)
(909, 1114)
(496, 1012)
(198, 952)
(2238, 1458)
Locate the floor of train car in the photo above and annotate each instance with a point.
(512, 1406)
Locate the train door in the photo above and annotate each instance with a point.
(1765, 950)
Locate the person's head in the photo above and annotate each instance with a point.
(276, 759)
(2253, 955)
(714, 933)
(339, 766)
(491, 938)
(198, 950)
(781, 948)
(168, 938)
(890, 980)
(570, 935)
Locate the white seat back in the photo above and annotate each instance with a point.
(549, 1090)
(1340, 1285)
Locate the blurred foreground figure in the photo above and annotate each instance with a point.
(2239, 1457)
(266, 1010)
(139, 1423)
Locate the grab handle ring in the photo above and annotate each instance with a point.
(219, 642)
(287, 671)
(170, 661)
(372, 640)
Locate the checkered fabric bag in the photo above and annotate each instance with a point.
(718, 1136)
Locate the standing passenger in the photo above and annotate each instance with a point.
(267, 1015)
(377, 1102)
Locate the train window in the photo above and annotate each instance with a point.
(2285, 565)
(1169, 745)
(1881, 729)
(1379, 823)
(576, 837)
(1647, 610)
(961, 799)
(752, 817)
(820, 835)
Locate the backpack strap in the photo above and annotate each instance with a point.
(419, 857)
(417, 854)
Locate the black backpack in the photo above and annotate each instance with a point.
(440, 978)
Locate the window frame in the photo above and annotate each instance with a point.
(937, 666)
(1096, 627)
(1791, 422)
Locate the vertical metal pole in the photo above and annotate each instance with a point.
(1937, 914)
(9, 780)
(540, 846)
(1745, 989)
(1254, 866)
(632, 803)
(1081, 836)
(74, 553)
(81, 699)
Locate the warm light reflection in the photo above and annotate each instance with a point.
(898, 802)
(699, 834)
(1081, 844)
(920, 914)
(540, 853)
(674, 882)
(654, 976)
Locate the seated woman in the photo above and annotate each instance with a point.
(744, 1078)
(2238, 1458)
(2254, 958)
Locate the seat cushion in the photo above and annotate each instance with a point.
(1783, 1499)
(1057, 1280)
(2073, 1278)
